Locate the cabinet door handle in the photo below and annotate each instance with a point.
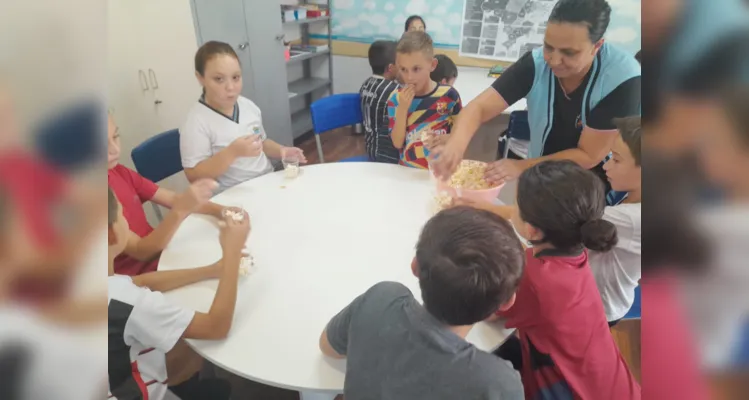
(154, 82)
(143, 80)
(280, 37)
(243, 46)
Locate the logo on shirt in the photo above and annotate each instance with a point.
(578, 122)
(255, 129)
(441, 108)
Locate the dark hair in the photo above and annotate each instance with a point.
(735, 100)
(566, 203)
(209, 50)
(446, 69)
(415, 41)
(470, 262)
(381, 55)
(596, 14)
(112, 207)
(413, 18)
(630, 128)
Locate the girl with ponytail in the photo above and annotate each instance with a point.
(564, 349)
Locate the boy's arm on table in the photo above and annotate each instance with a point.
(148, 247)
(167, 198)
(164, 281)
(217, 322)
(334, 338)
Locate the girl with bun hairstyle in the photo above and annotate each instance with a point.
(564, 341)
(564, 349)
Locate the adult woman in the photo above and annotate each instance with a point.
(223, 137)
(575, 86)
(415, 23)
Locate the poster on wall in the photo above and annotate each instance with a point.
(503, 29)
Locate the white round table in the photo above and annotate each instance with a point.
(318, 241)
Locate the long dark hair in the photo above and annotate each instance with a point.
(566, 203)
(596, 14)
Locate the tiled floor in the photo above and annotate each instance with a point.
(341, 143)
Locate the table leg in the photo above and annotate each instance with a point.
(315, 396)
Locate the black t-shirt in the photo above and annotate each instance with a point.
(517, 81)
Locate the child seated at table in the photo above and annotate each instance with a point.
(468, 263)
(421, 109)
(144, 244)
(618, 272)
(144, 325)
(564, 341)
(446, 72)
(375, 93)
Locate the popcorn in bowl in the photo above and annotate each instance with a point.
(470, 176)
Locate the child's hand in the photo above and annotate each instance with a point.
(503, 170)
(405, 97)
(293, 152)
(247, 146)
(196, 195)
(234, 234)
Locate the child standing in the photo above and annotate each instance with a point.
(446, 72)
(567, 349)
(468, 263)
(144, 326)
(422, 105)
(375, 93)
(618, 272)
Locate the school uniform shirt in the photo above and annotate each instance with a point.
(568, 351)
(207, 131)
(34, 189)
(375, 93)
(618, 271)
(143, 327)
(432, 112)
(132, 190)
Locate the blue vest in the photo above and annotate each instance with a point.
(611, 67)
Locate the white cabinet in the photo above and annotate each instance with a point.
(152, 46)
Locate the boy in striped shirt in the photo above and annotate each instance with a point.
(423, 107)
(375, 93)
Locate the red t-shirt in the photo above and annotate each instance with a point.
(568, 350)
(35, 189)
(132, 190)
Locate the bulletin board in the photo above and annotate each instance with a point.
(358, 23)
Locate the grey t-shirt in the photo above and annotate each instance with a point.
(396, 350)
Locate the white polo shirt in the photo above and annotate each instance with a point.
(143, 327)
(618, 271)
(208, 131)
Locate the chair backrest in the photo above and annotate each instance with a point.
(72, 139)
(158, 157)
(635, 311)
(336, 111)
(518, 128)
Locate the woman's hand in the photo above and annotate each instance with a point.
(504, 170)
(434, 141)
(445, 158)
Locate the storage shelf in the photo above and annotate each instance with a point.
(301, 122)
(306, 21)
(307, 56)
(306, 85)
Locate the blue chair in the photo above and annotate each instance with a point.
(72, 139)
(517, 130)
(158, 158)
(635, 311)
(333, 112)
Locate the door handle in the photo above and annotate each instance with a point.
(143, 80)
(154, 82)
(243, 46)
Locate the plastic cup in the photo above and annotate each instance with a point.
(235, 212)
(291, 166)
